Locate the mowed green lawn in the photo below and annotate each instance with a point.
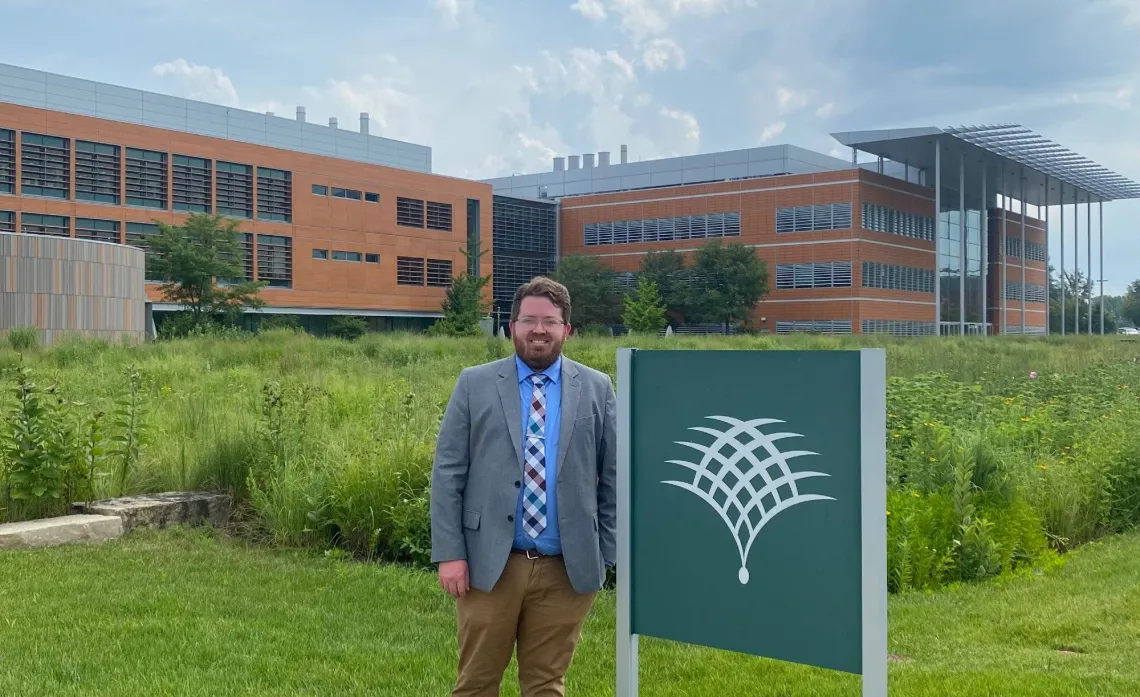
(187, 612)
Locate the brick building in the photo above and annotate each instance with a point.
(342, 222)
(850, 248)
(334, 221)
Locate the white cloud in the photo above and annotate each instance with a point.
(772, 130)
(686, 125)
(199, 82)
(590, 9)
(645, 18)
(500, 132)
(789, 100)
(448, 8)
(826, 110)
(662, 54)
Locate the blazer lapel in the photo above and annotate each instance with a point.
(571, 391)
(509, 399)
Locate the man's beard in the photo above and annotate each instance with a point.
(540, 361)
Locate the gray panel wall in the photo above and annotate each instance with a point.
(670, 171)
(65, 286)
(42, 90)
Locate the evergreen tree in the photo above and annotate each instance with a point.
(463, 306)
(644, 309)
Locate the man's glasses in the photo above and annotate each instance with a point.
(546, 322)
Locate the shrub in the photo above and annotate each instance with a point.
(329, 444)
(347, 328)
(24, 338)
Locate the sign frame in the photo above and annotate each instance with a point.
(873, 523)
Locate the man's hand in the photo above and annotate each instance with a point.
(453, 577)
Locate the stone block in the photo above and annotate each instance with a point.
(161, 510)
(49, 532)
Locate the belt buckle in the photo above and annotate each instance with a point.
(532, 554)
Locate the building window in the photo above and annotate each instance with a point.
(275, 260)
(274, 195)
(818, 326)
(439, 273)
(878, 218)
(893, 277)
(896, 327)
(339, 255)
(7, 221)
(92, 229)
(439, 216)
(321, 254)
(38, 224)
(346, 193)
(409, 212)
(1034, 293)
(372, 258)
(136, 237)
(45, 163)
(1035, 251)
(409, 271)
(146, 178)
(97, 172)
(371, 197)
(244, 259)
(474, 244)
(828, 216)
(827, 274)
(192, 182)
(688, 227)
(7, 161)
(235, 190)
(320, 190)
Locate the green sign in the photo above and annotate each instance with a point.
(752, 499)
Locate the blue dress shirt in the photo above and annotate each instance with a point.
(548, 541)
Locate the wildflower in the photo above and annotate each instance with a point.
(1033, 375)
(1042, 467)
(1025, 419)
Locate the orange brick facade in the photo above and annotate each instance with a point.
(318, 222)
(757, 201)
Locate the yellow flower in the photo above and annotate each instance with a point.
(1042, 467)
(1025, 419)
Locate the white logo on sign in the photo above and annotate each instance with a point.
(737, 485)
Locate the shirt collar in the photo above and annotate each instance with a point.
(554, 372)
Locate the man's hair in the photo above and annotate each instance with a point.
(543, 287)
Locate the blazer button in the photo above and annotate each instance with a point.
(518, 485)
(510, 519)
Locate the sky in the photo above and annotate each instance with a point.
(498, 87)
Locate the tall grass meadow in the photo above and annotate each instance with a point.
(1003, 453)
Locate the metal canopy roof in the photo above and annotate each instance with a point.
(991, 147)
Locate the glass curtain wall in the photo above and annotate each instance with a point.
(952, 267)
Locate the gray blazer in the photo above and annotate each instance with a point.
(479, 460)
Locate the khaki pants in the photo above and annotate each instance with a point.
(534, 605)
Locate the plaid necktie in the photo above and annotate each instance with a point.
(534, 471)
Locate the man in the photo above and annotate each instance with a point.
(523, 501)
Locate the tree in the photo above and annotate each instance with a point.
(1078, 294)
(593, 290)
(727, 282)
(463, 306)
(192, 257)
(644, 310)
(667, 270)
(1130, 307)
